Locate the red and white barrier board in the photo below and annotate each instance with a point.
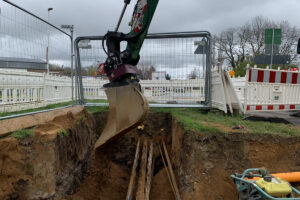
(272, 76)
(272, 90)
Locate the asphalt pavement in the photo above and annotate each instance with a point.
(288, 117)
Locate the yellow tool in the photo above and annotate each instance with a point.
(276, 187)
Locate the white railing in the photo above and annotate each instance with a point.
(179, 91)
(21, 90)
(161, 91)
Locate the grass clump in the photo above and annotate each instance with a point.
(22, 134)
(63, 133)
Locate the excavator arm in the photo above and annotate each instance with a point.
(127, 105)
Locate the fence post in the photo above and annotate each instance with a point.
(14, 95)
(4, 95)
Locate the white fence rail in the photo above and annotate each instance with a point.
(159, 91)
(263, 89)
(174, 91)
(21, 90)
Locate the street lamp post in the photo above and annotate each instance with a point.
(71, 28)
(48, 67)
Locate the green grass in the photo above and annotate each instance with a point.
(63, 133)
(194, 119)
(94, 109)
(22, 134)
(52, 106)
(95, 101)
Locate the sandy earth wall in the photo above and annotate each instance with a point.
(52, 163)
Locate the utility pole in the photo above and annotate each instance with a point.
(47, 58)
(273, 34)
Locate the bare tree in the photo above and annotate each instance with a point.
(195, 73)
(237, 44)
(290, 35)
(226, 45)
(145, 71)
(244, 35)
(258, 25)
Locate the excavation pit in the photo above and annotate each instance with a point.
(64, 166)
(202, 163)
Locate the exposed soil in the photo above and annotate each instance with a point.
(202, 163)
(48, 165)
(11, 125)
(109, 175)
(207, 161)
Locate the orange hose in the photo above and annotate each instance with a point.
(291, 177)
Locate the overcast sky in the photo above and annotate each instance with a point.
(95, 17)
(25, 38)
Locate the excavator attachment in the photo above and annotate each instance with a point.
(128, 108)
(127, 105)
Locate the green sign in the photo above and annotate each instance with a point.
(269, 36)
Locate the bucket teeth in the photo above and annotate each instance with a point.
(128, 108)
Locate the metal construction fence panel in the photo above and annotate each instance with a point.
(170, 69)
(25, 37)
(30, 44)
(272, 90)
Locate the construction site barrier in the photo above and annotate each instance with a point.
(223, 93)
(272, 90)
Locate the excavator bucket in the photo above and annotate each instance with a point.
(127, 109)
